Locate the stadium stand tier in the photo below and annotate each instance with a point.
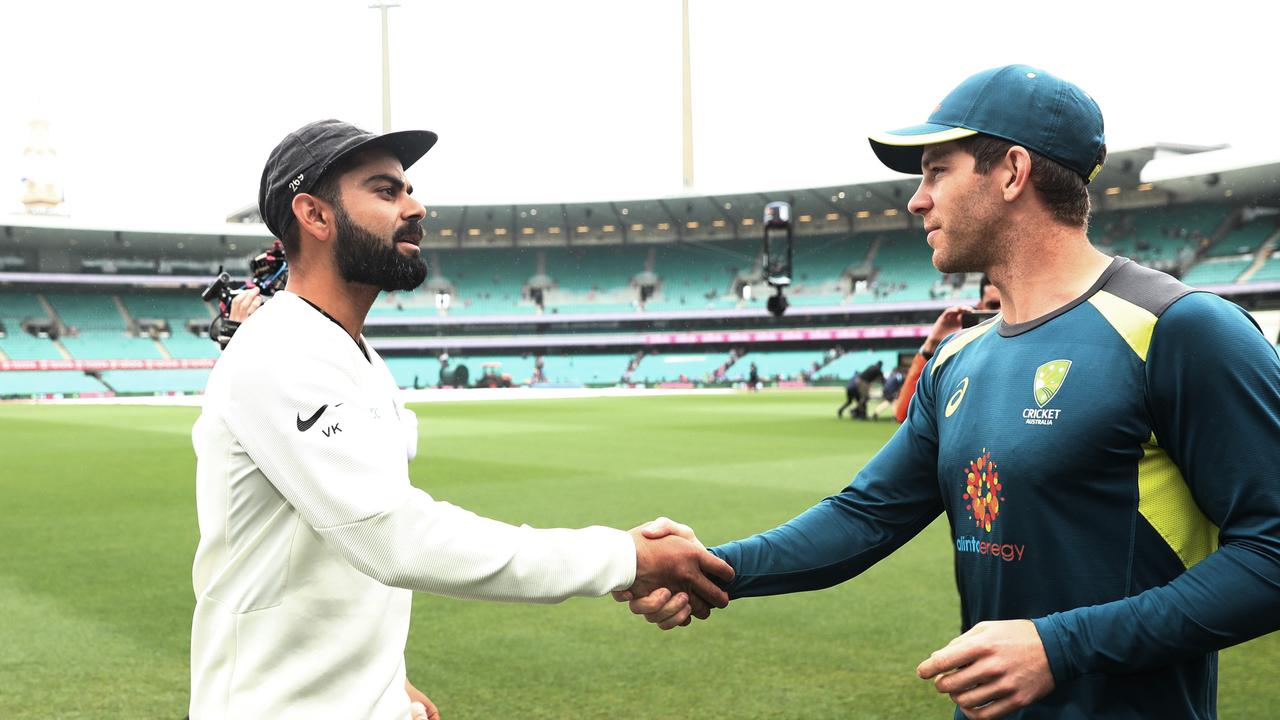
(573, 308)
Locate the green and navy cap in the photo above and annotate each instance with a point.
(1019, 103)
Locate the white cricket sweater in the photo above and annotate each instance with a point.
(311, 537)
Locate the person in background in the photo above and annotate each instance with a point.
(892, 386)
(947, 323)
(859, 390)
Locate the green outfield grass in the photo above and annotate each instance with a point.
(98, 533)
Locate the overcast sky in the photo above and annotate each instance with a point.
(164, 112)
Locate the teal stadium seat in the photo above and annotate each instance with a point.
(669, 367)
(177, 309)
(905, 262)
(18, 305)
(88, 312)
(110, 345)
(1269, 272)
(851, 363)
(425, 370)
(421, 371)
(1244, 239)
(18, 345)
(151, 382)
(1156, 234)
(417, 303)
(15, 307)
(585, 369)
(487, 281)
(689, 273)
(594, 269)
(788, 364)
(1216, 271)
(163, 305)
(42, 382)
(185, 345)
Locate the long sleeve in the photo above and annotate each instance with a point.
(889, 501)
(1213, 388)
(346, 475)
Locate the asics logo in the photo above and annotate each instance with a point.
(953, 402)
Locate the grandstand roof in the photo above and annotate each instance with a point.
(1148, 176)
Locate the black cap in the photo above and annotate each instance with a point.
(306, 154)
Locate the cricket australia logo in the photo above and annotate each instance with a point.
(1048, 381)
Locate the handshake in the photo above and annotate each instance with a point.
(674, 576)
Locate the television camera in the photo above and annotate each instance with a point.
(268, 272)
(779, 231)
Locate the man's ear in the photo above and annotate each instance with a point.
(1015, 173)
(315, 217)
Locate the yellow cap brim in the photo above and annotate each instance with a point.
(901, 149)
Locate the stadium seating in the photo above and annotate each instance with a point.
(785, 365)
(487, 281)
(1270, 271)
(60, 382)
(594, 269)
(110, 345)
(853, 362)
(1156, 234)
(905, 265)
(1244, 239)
(18, 345)
(16, 306)
(1216, 271)
(414, 371)
(670, 367)
(87, 312)
(178, 307)
(184, 345)
(127, 382)
(697, 276)
(585, 369)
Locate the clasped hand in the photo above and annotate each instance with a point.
(674, 575)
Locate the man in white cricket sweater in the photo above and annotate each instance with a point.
(311, 536)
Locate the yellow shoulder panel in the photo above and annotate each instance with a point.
(964, 338)
(1134, 323)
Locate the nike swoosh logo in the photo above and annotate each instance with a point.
(305, 425)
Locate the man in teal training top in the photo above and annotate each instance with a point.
(1107, 450)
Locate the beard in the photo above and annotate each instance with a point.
(974, 241)
(365, 258)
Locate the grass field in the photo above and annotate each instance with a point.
(98, 532)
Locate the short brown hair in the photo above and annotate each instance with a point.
(1063, 191)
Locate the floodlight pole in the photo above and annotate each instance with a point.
(386, 66)
(688, 103)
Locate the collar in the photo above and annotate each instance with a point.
(320, 310)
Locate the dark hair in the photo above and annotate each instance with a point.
(1063, 191)
(326, 189)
